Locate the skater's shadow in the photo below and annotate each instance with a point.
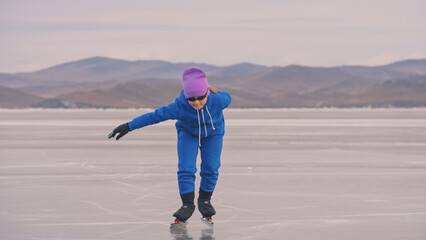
(182, 234)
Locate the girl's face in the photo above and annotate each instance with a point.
(198, 104)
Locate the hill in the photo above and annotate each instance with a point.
(11, 98)
(106, 82)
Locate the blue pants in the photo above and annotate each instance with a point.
(211, 149)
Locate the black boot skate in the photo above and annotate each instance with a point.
(205, 207)
(186, 211)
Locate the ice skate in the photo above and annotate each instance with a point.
(207, 211)
(183, 214)
(208, 221)
(177, 224)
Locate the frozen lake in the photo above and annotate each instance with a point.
(286, 174)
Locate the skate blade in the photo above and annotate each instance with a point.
(178, 224)
(208, 221)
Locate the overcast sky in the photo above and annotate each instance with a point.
(35, 34)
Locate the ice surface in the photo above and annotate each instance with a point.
(286, 174)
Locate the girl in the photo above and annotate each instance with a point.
(200, 125)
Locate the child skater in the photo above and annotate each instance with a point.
(200, 125)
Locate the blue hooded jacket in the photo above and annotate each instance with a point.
(202, 123)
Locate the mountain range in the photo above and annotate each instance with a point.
(113, 83)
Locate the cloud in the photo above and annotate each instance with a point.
(272, 32)
(91, 27)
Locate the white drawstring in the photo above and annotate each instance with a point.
(199, 129)
(210, 117)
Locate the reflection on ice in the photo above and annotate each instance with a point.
(182, 233)
(207, 234)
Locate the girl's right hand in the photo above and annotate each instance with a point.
(122, 130)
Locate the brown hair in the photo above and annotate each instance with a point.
(213, 89)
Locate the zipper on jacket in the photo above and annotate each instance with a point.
(199, 129)
(211, 119)
(204, 121)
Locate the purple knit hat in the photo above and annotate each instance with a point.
(195, 82)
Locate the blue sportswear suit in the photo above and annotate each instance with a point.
(196, 129)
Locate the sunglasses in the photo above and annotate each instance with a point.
(193, 99)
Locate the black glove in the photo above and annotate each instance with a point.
(123, 129)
